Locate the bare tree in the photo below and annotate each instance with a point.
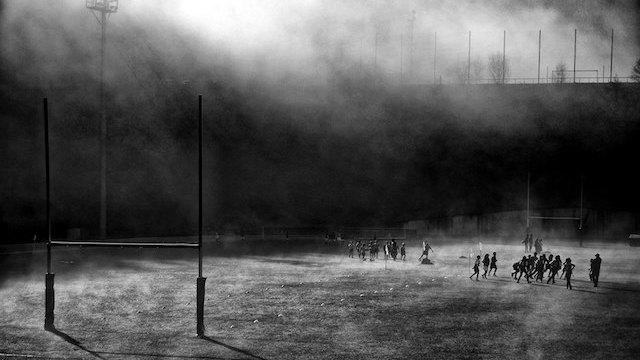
(635, 72)
(477, 70)
(463, 74)
(498, 71)
(458, 71)
(559, 74)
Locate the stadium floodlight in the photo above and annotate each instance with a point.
(106, 6)
(103, 7)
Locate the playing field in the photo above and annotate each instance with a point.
(312, 302)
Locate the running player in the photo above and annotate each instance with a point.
(523, 268)
(476, 269)
(554, 267)
(494, 264)
(485, 265)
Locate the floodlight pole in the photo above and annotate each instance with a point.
(435, 52)
(528, 198)
(401, 58)
(103, 8)
(504, 57)
(539, 51)
(49, 297)
(611, 59)
(200, 283)
(581, 199)
(469, 60)
(575, 42)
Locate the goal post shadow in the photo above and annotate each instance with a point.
(49, 323)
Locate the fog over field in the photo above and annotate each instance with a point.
(307, 121)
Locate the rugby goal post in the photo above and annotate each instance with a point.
(49, 276)
(530, 217)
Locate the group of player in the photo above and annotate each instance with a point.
(372, 248)
(536, 267)
(529, 244)
(487, 264)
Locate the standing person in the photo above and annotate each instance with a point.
(476, 269)
(494, 264)
(364, 251)
(358, 248)
(530, 242)
(403, 253)
(568, 271)
(372, 251)
(350, 249)
(526, 243)
(595, 268)
(485, 265)
(394, 249)
(538, 245)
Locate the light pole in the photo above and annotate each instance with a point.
(103, 7)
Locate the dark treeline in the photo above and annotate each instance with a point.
(352, 152)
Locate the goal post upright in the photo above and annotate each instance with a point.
(200, 282)
(49, 295)
(49, 276)
(579, 218)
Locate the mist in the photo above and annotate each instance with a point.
(307, 121)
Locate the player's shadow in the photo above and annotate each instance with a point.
(241, 351)
(72, 341)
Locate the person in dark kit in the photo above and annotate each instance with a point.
(494, 264)
(538, 245)
(403, 253)
(532, 264)
(372, 251)
(568, 271)
(425, 251)
(554, 267)
(524, 268)
(476, 269)
(350, 249)
(540, 266)
(595, 270)
(394, 249)
(516, 270)
(358, 248)
(564, 268)
(485, 265)
(549, 261)
(364, 251)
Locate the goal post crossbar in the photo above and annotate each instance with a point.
(554, 217)
(124, 244)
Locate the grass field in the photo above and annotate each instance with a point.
(312, 302)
